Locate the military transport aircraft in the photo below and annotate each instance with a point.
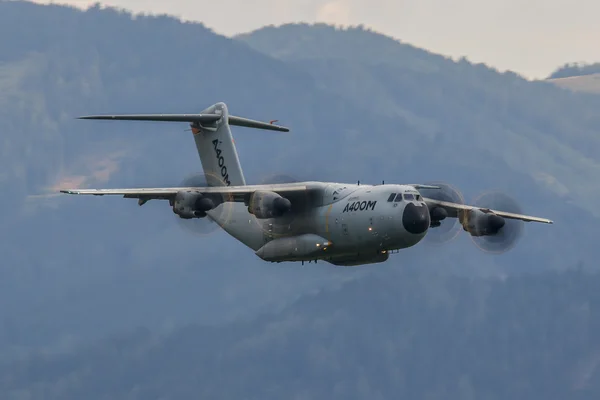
(343, 224)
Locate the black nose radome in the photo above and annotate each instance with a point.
(415, 218)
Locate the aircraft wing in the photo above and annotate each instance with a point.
(454, 209)
(234, 193)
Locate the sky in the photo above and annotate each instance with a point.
(531, 37)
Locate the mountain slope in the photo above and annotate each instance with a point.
(394, 334)
(70, 265)
(498, 119)
(78, 268)
(583, 83)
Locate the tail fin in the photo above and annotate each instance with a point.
(212, 133)
(216, 149)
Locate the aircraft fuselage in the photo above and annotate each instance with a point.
(340, 223)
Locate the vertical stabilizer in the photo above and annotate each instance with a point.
(216, 149)
(212, 134)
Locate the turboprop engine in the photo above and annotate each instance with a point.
(491, 232)
(479, 222)
(265, 204)
(191, 204)
(437, 215)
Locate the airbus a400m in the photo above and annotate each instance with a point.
(340, 223)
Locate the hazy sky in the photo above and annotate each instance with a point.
(531, 37)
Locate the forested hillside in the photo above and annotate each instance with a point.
(452, 113)
(361, 107)
(394, 334)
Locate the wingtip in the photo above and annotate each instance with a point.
(278, 127)
(545, 221)
(274, 127)
(109, 117)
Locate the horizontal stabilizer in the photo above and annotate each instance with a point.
(193, 118)
(250, 123)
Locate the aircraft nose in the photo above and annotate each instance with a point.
(415, 219)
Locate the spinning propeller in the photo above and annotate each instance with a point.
(508, 230)
(206, 225)
(448, 228)
(489, 232)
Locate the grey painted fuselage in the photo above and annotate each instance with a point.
(361, 222)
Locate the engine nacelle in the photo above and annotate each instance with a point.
(437, 214)
(479, 222)
(265, 204)
(190, 204)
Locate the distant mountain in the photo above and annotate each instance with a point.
(394, 334)
(452, 112)
(575, 69)
(361, 107)
(582, 83)
(577, 77)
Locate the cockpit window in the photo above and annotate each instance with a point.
(391, 198)
(418, 197)
(399, 197)
(409, 196)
